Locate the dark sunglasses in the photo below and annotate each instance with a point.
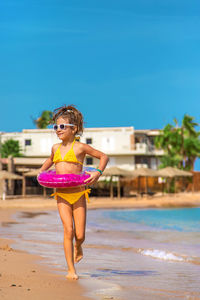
(61, 126)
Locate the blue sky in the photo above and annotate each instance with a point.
(121, 62)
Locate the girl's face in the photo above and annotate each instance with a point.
(68, 131)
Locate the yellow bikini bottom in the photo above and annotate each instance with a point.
(72, 197)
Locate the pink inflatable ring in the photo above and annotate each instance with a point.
(52, 180)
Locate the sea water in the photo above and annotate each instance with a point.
(128, 254)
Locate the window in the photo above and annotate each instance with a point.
(89, 161)
(88, 141)
(141, 160)
(27, 142)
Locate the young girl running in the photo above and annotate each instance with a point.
(68, 157)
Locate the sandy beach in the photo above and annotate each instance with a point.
(157, 201)
(21, 274)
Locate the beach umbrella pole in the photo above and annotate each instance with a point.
(175, 186)
(24, 186)
(44, 192)
(111, 188)
(118, 188)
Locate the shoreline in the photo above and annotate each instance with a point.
(157, 201)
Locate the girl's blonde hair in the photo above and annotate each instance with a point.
(70, 112)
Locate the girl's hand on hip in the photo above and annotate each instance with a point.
(94, 176)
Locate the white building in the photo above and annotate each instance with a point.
(126, 147)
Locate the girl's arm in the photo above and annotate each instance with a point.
(102, 163)
(48, 162)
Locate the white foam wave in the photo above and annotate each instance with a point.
(161, 254)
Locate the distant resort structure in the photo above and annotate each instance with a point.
(126, 147)
(128, 150)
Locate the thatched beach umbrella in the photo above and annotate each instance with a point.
(171, 172)
(9, 175)
(144, 172)
(115, 171)
(32, 173)
(119, 172)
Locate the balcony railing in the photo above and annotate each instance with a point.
(145, 148)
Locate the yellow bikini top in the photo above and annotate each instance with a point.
(69, 156)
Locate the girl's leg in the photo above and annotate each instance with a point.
(79, 213)
(66, 215)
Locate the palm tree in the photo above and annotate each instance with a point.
(191, 145)
(180, 143)
(170, 141)
(44, 120)
(10, 147)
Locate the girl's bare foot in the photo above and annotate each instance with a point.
(78, 253)
(72, 275)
